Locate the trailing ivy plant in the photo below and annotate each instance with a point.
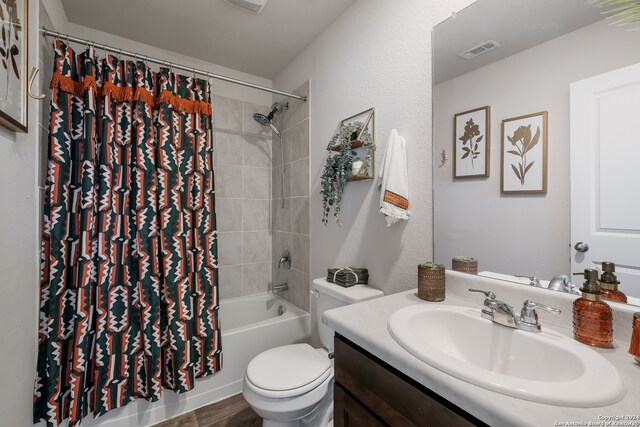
(349, 132)
(333, 180)
(337, 165)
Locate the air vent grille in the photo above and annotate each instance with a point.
(251, 6)
(480, 49)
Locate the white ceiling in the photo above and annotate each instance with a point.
(212, 30)
(515, 25)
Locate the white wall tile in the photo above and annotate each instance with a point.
(227, 113)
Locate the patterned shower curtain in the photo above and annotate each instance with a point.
(129, 279)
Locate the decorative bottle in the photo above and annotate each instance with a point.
(609, 284)
(634, 345)
(592, 318)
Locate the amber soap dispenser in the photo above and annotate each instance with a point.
(609, 283)
(592, 318)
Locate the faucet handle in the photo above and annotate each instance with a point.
(533, 280)
(529, 316)
(532, 305)
(488, 294)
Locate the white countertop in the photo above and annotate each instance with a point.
(365, 324)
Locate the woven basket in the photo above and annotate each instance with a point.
(431, 284)
(470, 267)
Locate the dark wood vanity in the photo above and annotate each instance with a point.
(369, 392)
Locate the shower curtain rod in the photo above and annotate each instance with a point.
(51, 33)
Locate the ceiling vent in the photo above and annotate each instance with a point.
(251, 6)
(480, 49)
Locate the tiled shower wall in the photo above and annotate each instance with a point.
(291, 224)
(243, 193)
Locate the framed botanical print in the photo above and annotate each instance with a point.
(13, 64)
(524, 154)
(471, 131)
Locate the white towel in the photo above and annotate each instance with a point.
(394, 195)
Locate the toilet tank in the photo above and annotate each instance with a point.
(329, 296)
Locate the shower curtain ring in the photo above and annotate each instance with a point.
(119, 54)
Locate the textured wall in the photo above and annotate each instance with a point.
(471, 216)
(19, 255)
(377, 54)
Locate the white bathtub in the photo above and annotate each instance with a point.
(250, 325)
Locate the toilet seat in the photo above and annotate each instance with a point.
(287, 371)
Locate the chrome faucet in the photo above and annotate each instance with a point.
(285, 259)
(497, 311)
(529, 316)
(502, 313)
(562, 283)
(533, 280)
(277, 289)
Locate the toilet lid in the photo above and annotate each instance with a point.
(287, 367)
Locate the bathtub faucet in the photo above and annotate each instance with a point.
(276, 289)
(285, 259)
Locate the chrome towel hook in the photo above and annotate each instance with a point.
(444, 158)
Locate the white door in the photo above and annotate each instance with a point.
(605, 174)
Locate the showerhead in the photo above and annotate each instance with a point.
(270, 121)
(263, 120)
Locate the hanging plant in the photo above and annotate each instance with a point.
(349, 132)
(337, 166)
(333, 180)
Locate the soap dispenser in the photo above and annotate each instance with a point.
(592, 318)
(609, 283)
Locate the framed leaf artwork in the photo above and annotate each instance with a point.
(13, 64)
(471, 131)
(524, 154)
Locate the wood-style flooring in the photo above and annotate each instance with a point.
(231, 412)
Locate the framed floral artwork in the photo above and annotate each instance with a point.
(471, 131)
(13, 64)
(524, 154)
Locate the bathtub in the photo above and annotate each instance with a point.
(250, 325)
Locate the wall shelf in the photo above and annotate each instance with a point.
(356, 143)
(358, 178)
(350, 156)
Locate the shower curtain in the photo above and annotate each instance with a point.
(129, 279)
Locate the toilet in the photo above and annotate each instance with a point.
(292, 385)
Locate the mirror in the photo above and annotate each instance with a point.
(520, 58)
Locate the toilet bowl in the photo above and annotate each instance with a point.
(292, 385)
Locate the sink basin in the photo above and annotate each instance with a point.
(544, 367)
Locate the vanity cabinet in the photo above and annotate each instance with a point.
(370, 392)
